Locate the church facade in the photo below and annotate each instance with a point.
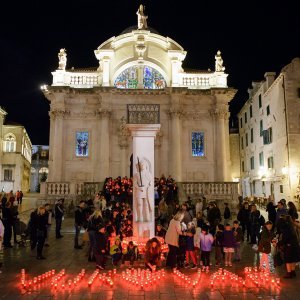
(138, 70)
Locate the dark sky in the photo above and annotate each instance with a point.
(254, 37)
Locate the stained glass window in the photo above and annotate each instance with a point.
(82, 143)
(197, 144)
(153, 79)
(128, 79)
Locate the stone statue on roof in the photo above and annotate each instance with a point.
(219, 62)
(142, 18)
(62, 59)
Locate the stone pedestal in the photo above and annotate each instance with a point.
(143, 136)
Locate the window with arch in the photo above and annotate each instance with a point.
(10, 143)
(197, 144)
(135, 76)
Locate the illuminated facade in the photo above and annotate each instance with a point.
(15, 156)
(88, 111)
(270, 136)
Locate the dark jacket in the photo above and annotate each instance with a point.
(227, 213)
(266, 238)
(59, 211)
(243, 215)
(80, 217)
(219, 239)
(238, 234)
(228, 239)
(271, 210)
(100, 242)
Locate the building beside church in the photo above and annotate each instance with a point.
(136, 71)
(269, 126)
(15, 156)
(39, 166)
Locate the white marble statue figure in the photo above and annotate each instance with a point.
(62, 59)
(142, 18)
(219, 62)
(142, 181)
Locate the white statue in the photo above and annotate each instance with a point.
(142, 18)
(142, 181)
(62, 59)
(219, 62)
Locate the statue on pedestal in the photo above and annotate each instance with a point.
(219, 63)
(142, 18)
(62, 59)
(142, 180)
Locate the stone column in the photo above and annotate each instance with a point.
(143, 136)
(106, 73)
(105, 143)
(56, 172)
(220, 115)
(175, 153)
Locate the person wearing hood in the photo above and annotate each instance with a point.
(99, 247)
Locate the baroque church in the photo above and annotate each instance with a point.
(138, 72)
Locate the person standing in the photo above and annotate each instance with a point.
(271, 210)
(172, 239)
(281, 210)
(199, 206)
(238, 236)
(228, 244)
(49, 222)
(100, 246)
(41, 231)
(227, 214)
(7, 222)
(206, 242)
(59, 213)
(244, 219)
(1, 242)
(254, 224)
(264, 247)
(79, 222)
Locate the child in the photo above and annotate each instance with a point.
(264, 247)
(182, 247)
(219, 244)
(227, 213)
(228, 245)
(116, 252)
(206, 241)
(190, 248)
(99, 247)
(238, 236)
(131, 253)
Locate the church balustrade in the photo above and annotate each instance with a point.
(143, 113)
(216, 189)
(85, 80)
(58, 188)
(195, 80)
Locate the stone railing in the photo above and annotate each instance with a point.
(195, 80)
(210, 188)
(58, 188)
(213, 191)
(70, 189)
(89, 80)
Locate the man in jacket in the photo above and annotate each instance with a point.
(79, 222)
(59, 213)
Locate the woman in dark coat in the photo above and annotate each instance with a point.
(289, 243)
(243, 217)
(292, 210)
(271, 210)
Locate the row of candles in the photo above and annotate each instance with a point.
(28, 283)
(261, 277)
(187, 279)
(142, 278)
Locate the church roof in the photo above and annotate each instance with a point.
(194, 71)
(134, 27)
(88, 69)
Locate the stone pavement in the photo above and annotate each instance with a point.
(62, 255)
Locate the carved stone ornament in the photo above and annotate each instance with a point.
(158, 139)
(175, 113)
(59, 114)
(220, 113)
(140, 47)
(142, 18)
(123, 133)
(219, 62)
(62, 59)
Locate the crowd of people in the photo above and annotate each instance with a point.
(197, 233)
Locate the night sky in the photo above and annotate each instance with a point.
(254, 37)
